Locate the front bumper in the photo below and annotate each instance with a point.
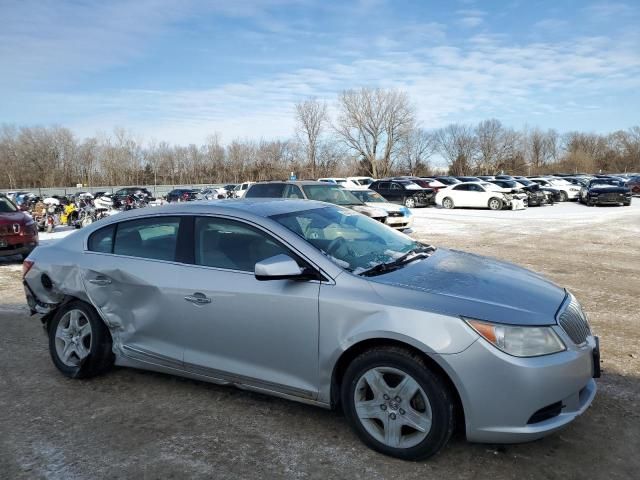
(501, 393)
(405, 221)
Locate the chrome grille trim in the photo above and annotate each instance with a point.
(574, 322)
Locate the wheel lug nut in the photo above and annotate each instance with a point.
(401, 411)
(392, 416)
(385, 396)
(398, 399)
(383, 406)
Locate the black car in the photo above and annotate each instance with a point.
(404, 192)
(183, 195)
(448, 180)
(605, 191)
(140, 192)
(535, 196)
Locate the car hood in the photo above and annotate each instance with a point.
(12, 217)
(387, 207)
(464, 284)
(369, 211)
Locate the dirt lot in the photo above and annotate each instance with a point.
(137, 424)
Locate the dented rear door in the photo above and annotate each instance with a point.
(136, 296)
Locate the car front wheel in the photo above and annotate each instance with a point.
(564, 197)
(79, 341)
(396, 404)
(495, 204)
(409, 202)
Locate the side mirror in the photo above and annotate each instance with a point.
(279, 267)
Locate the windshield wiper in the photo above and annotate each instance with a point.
(422, 251)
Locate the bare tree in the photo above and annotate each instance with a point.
(415, 151)
(373, 123)
(311, 117)
(457, 144)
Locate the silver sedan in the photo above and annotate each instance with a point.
(319, 304)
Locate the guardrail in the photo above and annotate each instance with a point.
(156, 190)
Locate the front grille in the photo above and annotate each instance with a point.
(610, 197)
(6, 230)
(574, 322)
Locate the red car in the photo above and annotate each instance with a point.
(18, 231)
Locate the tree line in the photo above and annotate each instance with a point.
(373, 132)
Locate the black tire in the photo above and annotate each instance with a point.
(564, 197)
(100, 358)
(439, 396)
(410, 202)
(495, 204)
(448, 203)
(627, 204)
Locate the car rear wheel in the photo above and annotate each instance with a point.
(79, 341)
(409, 202)
(448, 203)
(495, 204)
(396, 404)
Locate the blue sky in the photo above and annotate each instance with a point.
(182, 70)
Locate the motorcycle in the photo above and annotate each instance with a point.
(46, 215)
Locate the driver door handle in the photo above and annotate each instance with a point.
(102, 281)
(198, 298)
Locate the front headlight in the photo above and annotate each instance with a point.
(517, 340)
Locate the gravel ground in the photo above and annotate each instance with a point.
(137, 424)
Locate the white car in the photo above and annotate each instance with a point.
(566, 190)
(343, 182)
(398, 216)
(478, 195)
(241, 189)
(361, 182)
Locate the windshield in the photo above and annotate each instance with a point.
(331, 194)
(352, 241)
(508, 184)
(7, 206)
(492, 187)
(370, 196)
(605, 183)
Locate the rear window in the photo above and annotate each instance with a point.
(266, 190)
(7, 206)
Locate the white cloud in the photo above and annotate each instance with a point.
(470, 18)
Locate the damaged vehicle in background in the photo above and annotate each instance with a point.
(478, 195)
(317, 303)
(399, 216)
(404, 192)
(605, 191)
(534, 197)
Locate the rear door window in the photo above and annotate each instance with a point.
(154, 238)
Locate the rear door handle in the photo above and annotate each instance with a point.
(198, 298)
(102, 281)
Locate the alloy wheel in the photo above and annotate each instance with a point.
(73, 338)
(393, 407)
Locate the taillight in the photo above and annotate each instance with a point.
(26, 266)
